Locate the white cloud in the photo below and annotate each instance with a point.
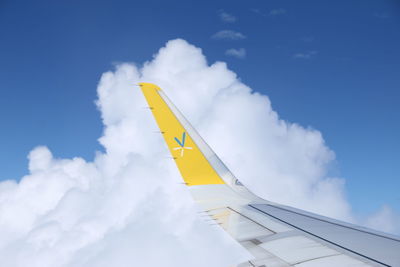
(128, 206)
(226, 17)
(385, 220)
(228, 35)
(305, 55)
(277, 11)
(257, 11)
(239, 53)
(129, 203)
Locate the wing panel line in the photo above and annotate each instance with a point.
(312, 234)
(337, 224)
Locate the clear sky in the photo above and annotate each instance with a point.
(330, 65)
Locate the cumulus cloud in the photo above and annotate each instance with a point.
(238, 53)
(228, 35)
(226, 17)
(129, 205)
(305, 55)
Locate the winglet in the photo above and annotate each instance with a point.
(149, 85)
(179, 136)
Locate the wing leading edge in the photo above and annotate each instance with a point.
(274, 234)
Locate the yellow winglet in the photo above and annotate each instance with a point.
(190, 160)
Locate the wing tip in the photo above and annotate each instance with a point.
(149, 86)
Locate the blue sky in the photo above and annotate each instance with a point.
(333, 66)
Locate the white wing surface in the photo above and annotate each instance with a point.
(276, 235)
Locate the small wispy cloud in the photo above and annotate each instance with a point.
(257, 11)
(308, 39)
(305, 55)
(277, 11)
(226, 17)
(381, 15)
(238, 53)
(228, 35)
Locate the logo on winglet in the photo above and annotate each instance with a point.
(181, 144)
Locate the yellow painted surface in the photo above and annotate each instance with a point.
(193, 166)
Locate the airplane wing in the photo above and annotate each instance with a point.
(276, 235)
